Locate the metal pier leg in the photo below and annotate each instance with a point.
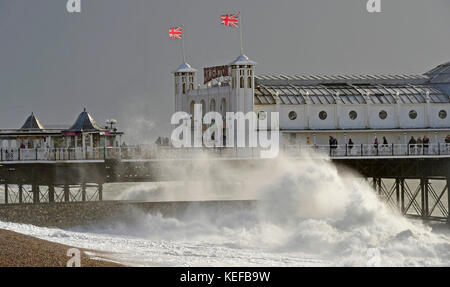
(448, 199)
(100, 191)
(422, 198)
(51, 193)
(66, 193)
(374, 184)
(402, 195)
(20, 193)
(6, 193)
(35, 191)
(427, 207)
(83, 192)
(397, 192)
(379, 186)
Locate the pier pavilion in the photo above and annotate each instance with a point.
(312, 108)
(34, 141)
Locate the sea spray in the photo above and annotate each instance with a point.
(307, 215)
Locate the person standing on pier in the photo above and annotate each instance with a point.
(411, 144)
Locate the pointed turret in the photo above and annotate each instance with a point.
(85, 122)
(32, 123)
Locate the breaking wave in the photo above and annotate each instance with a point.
(307, 215)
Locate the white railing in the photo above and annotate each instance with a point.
(158, 152)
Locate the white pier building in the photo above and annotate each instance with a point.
(312, 108)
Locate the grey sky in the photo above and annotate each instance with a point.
(115, 57)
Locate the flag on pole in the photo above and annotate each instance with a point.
(230, 20)
(176, 33)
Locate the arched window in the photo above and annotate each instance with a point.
(191, 86)
(242, 83)
(212, 106)
(192, 108)
(184, 88)
(223, 107)
(203, 107)
(249, 82)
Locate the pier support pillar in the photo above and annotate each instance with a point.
(380, 191)
(83, 192)
(397, 192)
(427, 206)
(51, 193)
(6, 193)
(402, 195)
(424, 197)
(100, 191)
(66, 193)
(35, 191)
(448, 199)
(20, 193)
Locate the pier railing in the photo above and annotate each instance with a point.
(160, 152)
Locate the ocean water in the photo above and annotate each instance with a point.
(307, 215)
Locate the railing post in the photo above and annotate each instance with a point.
(392, 149)
(346, 150)
(18, 154)
(36, 154)
(362, 152)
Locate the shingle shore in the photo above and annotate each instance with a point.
(18, 250)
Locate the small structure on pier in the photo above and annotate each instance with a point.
(84, 134)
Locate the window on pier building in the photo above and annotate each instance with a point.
(212, 105)
(203, 107)
(353, 115)
(184, 88)
(412, 114)
(242, 83)
(249, 82)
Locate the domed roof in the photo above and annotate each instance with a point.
(185, 68)
(242, 60)
(85, 122)
(440, 74)
(32, 123)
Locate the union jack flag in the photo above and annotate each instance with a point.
(175, 33)
(230, 20)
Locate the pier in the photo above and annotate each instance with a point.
(411, 179)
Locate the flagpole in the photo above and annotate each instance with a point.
(240, 35)
(183, 54)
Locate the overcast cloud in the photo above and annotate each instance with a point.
(115, 57)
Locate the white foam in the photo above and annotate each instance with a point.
(308, 216)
